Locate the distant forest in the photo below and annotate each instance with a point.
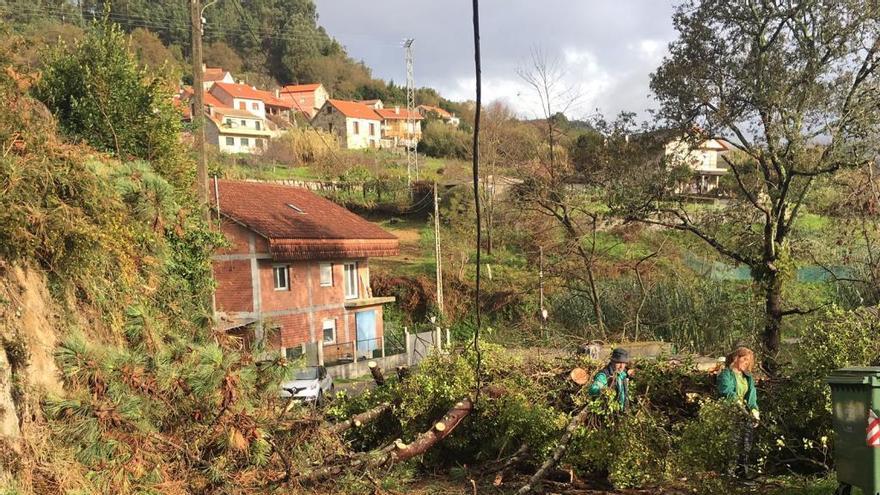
(263, 42)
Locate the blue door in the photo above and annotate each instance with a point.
(365, 322)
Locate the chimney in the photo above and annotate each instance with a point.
(204, 67)
(396, 109)
(277, 93)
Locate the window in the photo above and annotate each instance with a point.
(255, 105)
(372, 129)
(244, 123)
(302, 101)
(329, 331)
(356, 127)
(228, 121)
(257, 124)
(230, 141)
(245, 142)
(351, 282)
(242, 105)
(326, 274)
(281, 274)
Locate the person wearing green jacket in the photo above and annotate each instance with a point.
(615, 376)
(736, 383)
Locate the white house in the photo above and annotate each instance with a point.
(703, 160)
(240, 97)
(211, 75)
(237, 131)
(356, 125)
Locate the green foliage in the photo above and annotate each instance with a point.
(442, 140)
(707, 443)
(101, 96)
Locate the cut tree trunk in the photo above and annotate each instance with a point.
(361, 419)
(376, 371)
(441, 430)
(535, 480)
(579, 376)
(397, 451)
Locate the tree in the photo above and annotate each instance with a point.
(219, 54)
(793, 86)
(153, 54)
(99, 95)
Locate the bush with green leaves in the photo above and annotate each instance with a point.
(100, 95)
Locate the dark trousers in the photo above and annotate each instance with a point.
(744, 433)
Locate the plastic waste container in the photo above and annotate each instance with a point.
(855, 408)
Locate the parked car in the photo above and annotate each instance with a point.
(310, 384)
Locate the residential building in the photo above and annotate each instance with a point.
(374, 104)
(237, 131)
(354, 124)
(399, 127)
(702, 159)
(240, 97)
(211, 75)
(445, 116)
(297, 269)
(309, 98)
(275, 105)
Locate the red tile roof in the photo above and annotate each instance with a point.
(300, 88)
(354, 110)
(239, 90)
(391, 114)
(212, 100)
(439, 111)
(271, 100)
(214, 74)
(299, 224)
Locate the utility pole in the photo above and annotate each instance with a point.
(198, 111)
(412, 158)
(437, 257)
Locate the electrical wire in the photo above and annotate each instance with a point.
(476, 172)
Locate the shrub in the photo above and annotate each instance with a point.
(444, 141)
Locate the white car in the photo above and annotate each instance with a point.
(310, 384)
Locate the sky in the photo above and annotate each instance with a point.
(606, 49)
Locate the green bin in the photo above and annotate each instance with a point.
(854, 392)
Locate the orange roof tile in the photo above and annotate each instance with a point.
(439, 111)
(354, 110)
(392, 114)
(239, 91)
(213, 74)
(270, 99)
(300, 88)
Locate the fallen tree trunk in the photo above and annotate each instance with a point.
(397, 451)
(361, 419)
(376, 371)
(440, 430)
(557, 453)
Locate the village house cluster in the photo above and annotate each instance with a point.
(242, 118)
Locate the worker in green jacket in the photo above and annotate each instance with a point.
(737, 384)
(615, 376)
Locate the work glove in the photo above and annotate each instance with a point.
(756, 416)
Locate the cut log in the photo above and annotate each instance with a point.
(579, 376)
(430, 438)
(361, 419)
(376, 371)
(558, 452)
(396, 452)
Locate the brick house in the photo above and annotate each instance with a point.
(297, 269)
(308, 98)
(356, 125)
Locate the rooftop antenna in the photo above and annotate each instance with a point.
(412, 158)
